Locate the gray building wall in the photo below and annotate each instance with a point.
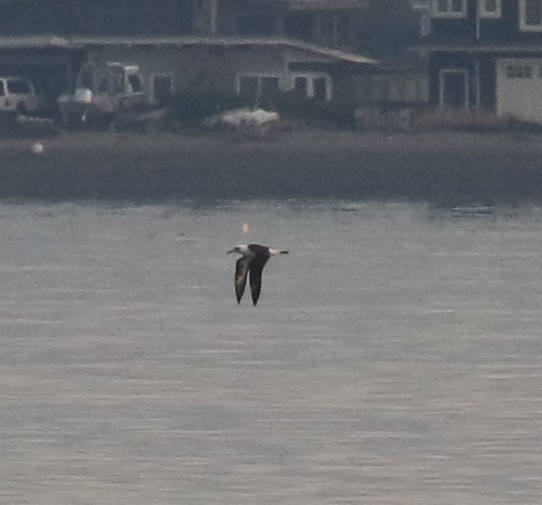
(212, 68)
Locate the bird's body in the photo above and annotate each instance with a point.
(250, 265)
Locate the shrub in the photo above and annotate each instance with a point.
(194, 106)
(464, 120)
(314, 112)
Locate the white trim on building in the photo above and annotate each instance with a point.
(449, 8)
(489, 9)
(530, 15)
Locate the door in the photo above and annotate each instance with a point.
(454, 89)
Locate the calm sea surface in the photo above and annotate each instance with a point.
(395, 356)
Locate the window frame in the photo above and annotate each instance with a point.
(486, 14)
(289, 82)
(523, 26)
(134, 83)
(517, 71)
(448, 13)
(310, 78)
(259, 82)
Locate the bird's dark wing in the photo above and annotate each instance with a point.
(241, 273)
(256, 269)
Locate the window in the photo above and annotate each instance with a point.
(248, 89)
(162, 89)
(269, 87)
(19, 87)
(262, 90)
(316, 86)
(489, 8)
(449, 8)
(256, 23)
(299, 25)
(327, 26)
(530, 15)
(135, 85)
(300, 87)
(344, 31)
(118, 81)
(319, 87)
(519, 71)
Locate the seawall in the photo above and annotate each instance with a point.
(441, 167)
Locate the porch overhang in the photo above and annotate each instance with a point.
(225, 42)
(331, 67)
(466, 47)
(312, 5)
(36, 42)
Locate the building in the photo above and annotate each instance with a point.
(252, 47)
(486, 56)
(51, 62)
(255, 67)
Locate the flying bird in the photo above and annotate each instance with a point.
(250, 264)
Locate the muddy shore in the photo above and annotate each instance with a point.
(440, 167)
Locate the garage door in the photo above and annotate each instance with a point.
(519, 89)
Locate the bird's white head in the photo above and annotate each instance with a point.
(241, 249)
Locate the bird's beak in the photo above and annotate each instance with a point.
(230, 251)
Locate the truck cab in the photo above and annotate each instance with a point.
(102, 92)
(17, 94)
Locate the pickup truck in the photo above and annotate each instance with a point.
(18, 94)
(103, 93)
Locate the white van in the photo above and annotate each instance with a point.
(17, 95)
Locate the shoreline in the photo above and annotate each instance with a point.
(420, 166)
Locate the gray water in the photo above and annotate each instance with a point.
(394, 358)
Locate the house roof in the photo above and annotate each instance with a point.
(325, 52)
(34, 42)
(76, 42)
(314, 4)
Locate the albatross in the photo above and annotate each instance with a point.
(253, 259)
